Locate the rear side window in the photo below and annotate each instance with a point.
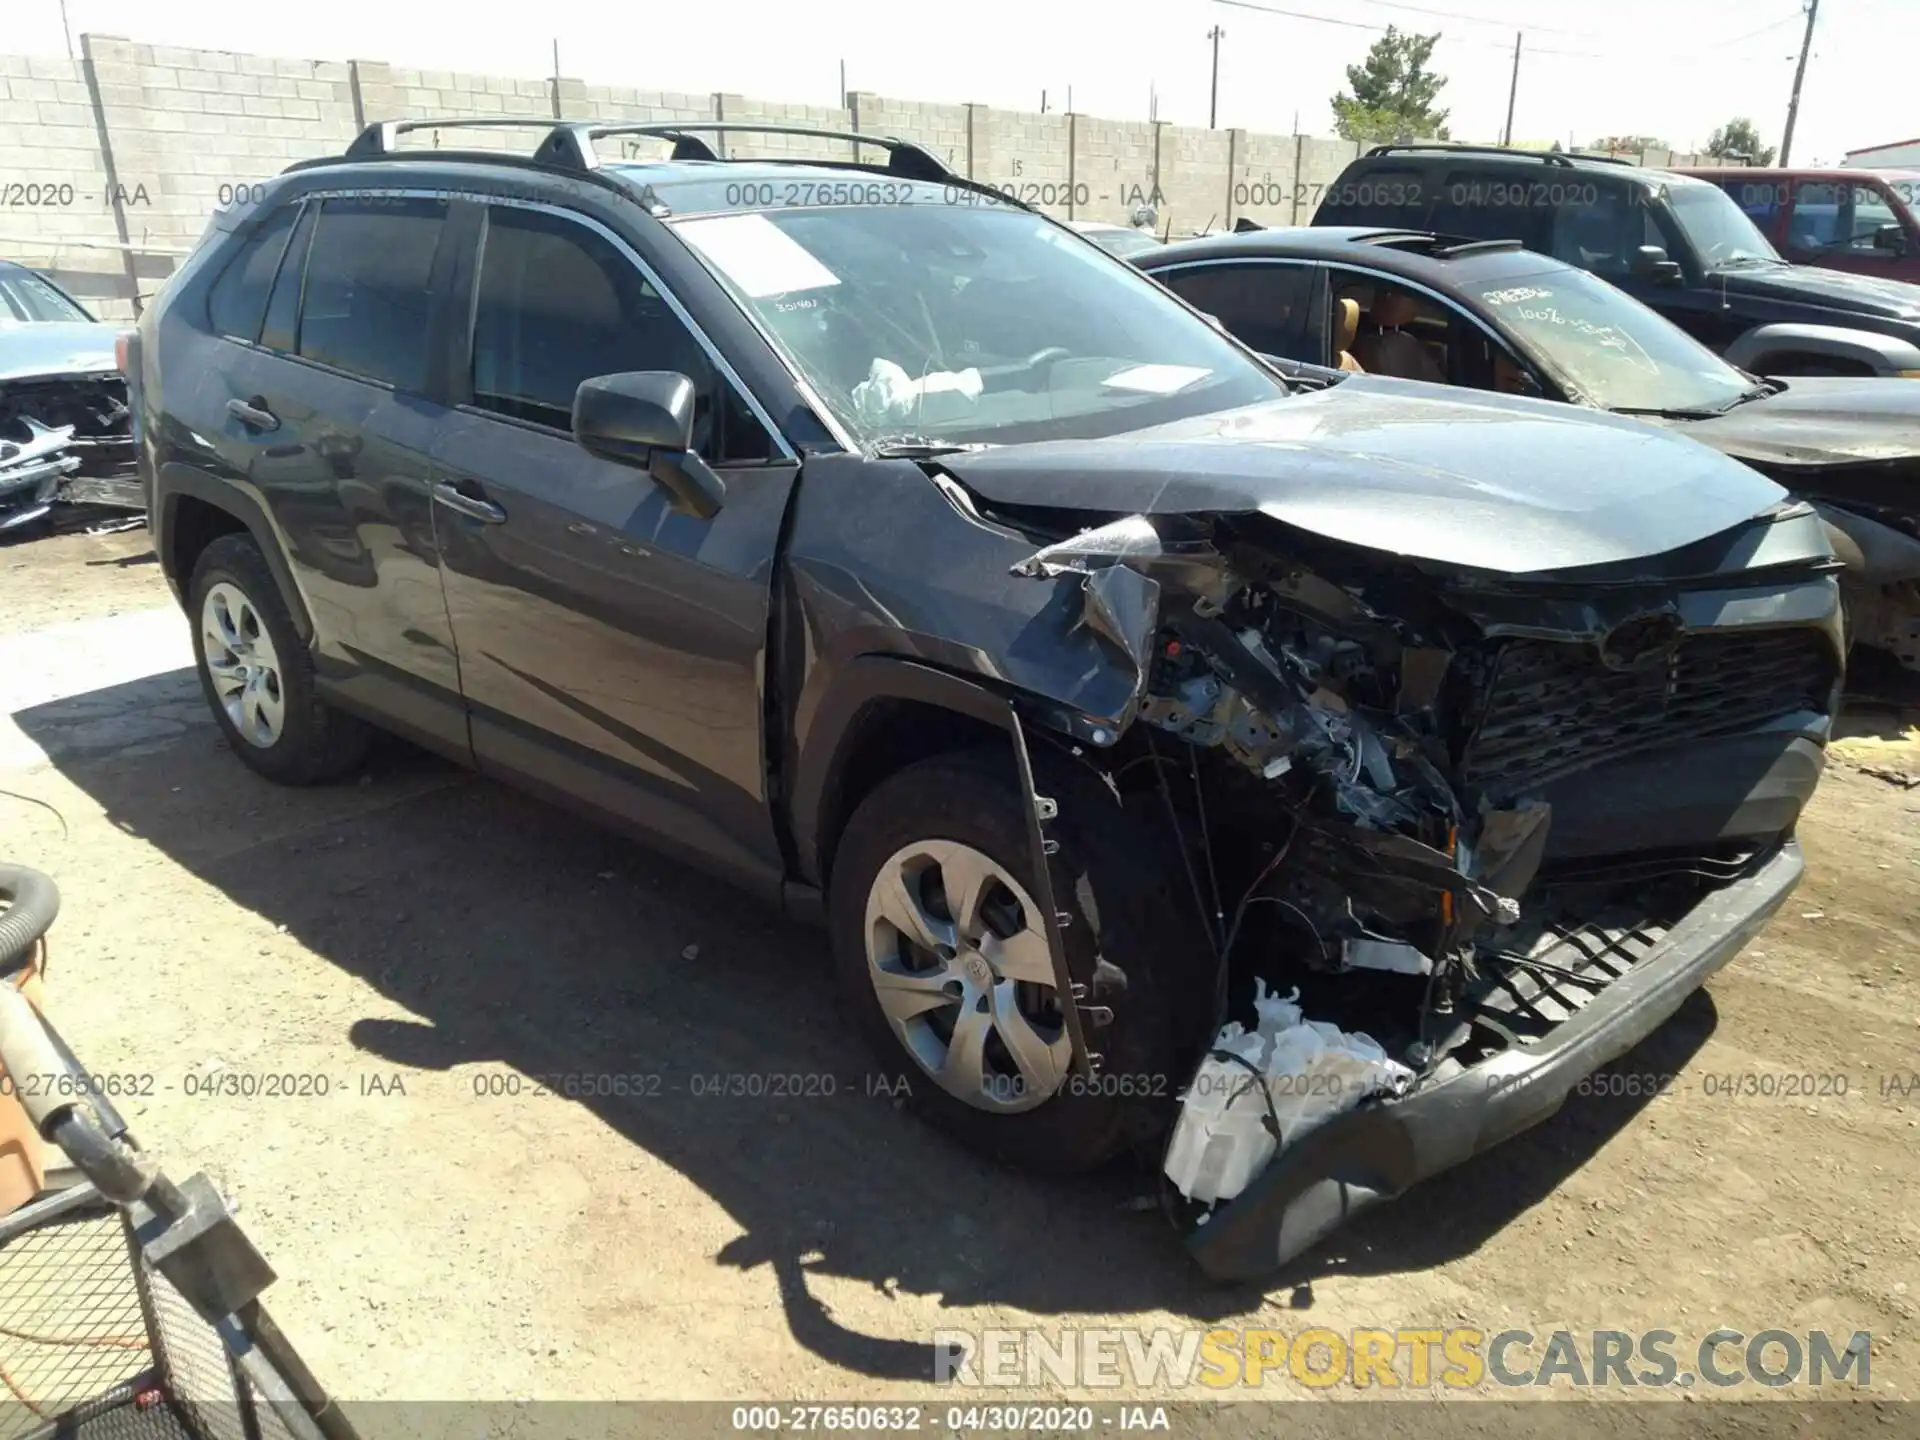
(368, 286)
(1511, 202)
(558, 304)
(238, 300)
(283, 307)
(1264, 305)
(1386, 195)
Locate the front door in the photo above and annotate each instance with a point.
(612, 649)
(1835, 225)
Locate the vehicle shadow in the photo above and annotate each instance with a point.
(527, 938)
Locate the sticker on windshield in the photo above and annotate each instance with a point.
(1519, 292)
(1157, 379)
(757, 255)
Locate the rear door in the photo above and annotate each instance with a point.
(329, 410)
(611, 647)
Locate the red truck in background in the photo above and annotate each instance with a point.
(1859, 220)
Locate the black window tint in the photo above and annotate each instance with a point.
(558, 304)
(1262, 305)
(1397, 196)
(368, 287)
(238, 299)
(283, 307)
(1507, 202)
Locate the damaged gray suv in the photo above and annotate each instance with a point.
(1131, 715)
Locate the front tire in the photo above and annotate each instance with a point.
(942, 958)
(257, 675)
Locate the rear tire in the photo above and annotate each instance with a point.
(957, 822)
(258, 676)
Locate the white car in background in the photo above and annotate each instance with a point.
(1122, 240)
(66, 435)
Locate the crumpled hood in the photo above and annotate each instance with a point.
(55, 347)
(1818, 421)
(1812, 284)
(1487, 482)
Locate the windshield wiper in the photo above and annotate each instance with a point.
(1696, 413)
(919, 447)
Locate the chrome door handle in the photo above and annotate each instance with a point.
(454, 498)
(254, 417)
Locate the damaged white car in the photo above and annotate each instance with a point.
(66, 434)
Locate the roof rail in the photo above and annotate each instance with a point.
(569, 145)
(1546, 157)
(379, 138)
(1603, 159)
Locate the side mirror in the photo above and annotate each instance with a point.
(1890, 238)
(1650, 262)
(644, 418)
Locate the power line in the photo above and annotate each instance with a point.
(1479, 19)
(1381, 29)
(1638, 45)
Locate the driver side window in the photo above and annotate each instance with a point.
(557, 304)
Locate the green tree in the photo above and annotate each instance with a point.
(1739, 140)
(1389, 96)
(1629, 144)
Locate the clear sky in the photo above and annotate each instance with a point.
(1669, 68)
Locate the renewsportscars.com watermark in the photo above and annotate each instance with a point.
(1452, 1359)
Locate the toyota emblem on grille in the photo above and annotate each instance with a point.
(1641, 642)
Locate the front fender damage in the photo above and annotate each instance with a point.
(1312, 724)
(1361, 781)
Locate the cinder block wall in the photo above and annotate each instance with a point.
(114, 162)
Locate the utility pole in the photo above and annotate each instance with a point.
(1213, 103)
(66, 29)
(1513, 89)
(1799, 73)
(843, 84)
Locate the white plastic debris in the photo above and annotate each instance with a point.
(1393, 955)
(1288, 1073)
(890, 393)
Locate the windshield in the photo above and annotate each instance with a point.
(1607, 347)
(1719, 229)
(957, 324)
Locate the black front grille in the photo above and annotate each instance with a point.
(1553, 708)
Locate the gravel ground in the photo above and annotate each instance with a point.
(415, 947)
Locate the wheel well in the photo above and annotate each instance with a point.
(193, 525)
(885, 737)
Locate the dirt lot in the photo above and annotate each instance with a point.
(420, 943)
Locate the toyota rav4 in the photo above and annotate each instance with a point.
(889, 547)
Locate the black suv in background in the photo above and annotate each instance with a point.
(1679, 245)
(892, 549)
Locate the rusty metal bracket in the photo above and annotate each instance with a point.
(1040, 810)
